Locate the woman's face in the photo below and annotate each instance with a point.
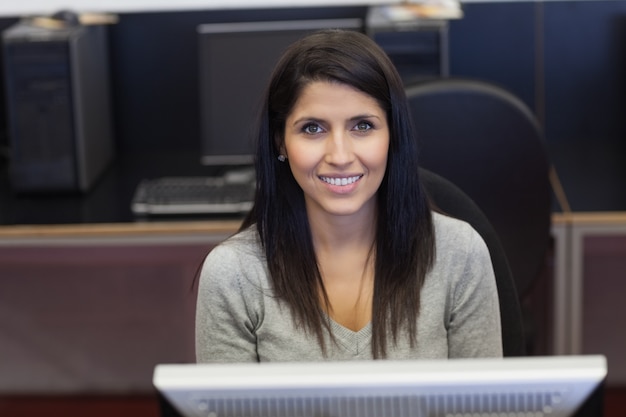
(336, 142)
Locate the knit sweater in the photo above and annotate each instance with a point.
(238, 318)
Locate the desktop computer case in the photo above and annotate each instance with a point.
(58, 102)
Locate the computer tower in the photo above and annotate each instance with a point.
(58, 102)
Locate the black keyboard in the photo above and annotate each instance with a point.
(232, 193)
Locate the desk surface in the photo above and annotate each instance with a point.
(211, 227)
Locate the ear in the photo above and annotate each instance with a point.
(280, 145)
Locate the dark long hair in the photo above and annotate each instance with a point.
(404, 246)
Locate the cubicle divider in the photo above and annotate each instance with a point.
(90, 310)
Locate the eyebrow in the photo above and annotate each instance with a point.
(364, 116)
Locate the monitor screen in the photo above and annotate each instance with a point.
(235, 63)
(553, 386)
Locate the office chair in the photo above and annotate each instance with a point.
(488, 143)
(451, 200)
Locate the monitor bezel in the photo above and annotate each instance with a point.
(573, 378)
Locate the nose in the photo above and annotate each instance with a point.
(339, 149)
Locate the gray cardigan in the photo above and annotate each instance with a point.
(239, 320)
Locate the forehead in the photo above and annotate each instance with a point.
(333, 97)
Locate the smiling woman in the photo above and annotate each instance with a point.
(336, 260)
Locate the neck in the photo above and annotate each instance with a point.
(343, 247)
(334, 233)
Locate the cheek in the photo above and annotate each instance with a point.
(377, 155)
(301, 159)
(300, 166)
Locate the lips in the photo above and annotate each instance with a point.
(340, 181)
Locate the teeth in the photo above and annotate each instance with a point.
(340, 181)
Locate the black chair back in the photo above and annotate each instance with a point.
(488, 143)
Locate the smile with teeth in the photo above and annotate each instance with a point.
(341, 181)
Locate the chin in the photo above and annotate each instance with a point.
(345, 210)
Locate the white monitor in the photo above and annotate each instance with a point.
(554, 386)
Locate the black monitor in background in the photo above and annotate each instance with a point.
(236, 60)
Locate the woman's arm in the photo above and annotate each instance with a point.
(226, 318)
(474, 327)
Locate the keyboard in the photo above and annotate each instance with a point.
(231, 193)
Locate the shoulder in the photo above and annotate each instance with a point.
(452, 233)
(243, 248)
(239, 260)
(243, 245)
(460, 249)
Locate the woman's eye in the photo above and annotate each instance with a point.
(312, 129)
(363, 126)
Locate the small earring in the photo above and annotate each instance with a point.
(282, 158)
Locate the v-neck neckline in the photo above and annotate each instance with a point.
(355, 342)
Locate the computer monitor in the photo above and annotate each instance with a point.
(554, 386)
(235, 63)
